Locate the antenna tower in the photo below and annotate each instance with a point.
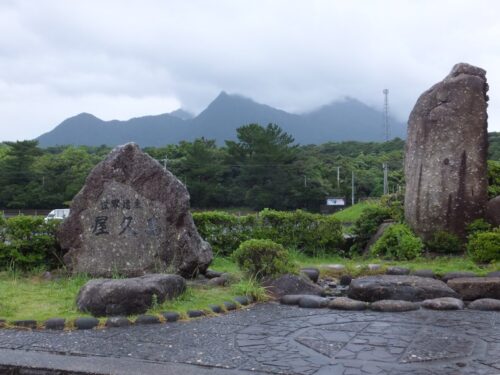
(386, 114)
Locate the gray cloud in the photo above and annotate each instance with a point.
(119, 59)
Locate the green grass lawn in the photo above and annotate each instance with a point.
(350, 214)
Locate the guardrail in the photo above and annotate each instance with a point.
(10, 212)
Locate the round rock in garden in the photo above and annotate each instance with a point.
(105, 297)
(215, 308)
(444, 303)
(313, 302)
(132, 217)
(242, 300)
(55, 324)
(456, 275)
(26, 323)
(408, 288)
(312, 273)
(86, 323)
(446, 154)
(117, 321)
(397, 271)
(229, 305)
(345, 280)
(147, 319)
(394, 306)
(171, 316)
(211, 274)
(195, 313)
(291, 284)
(345, 303)
(485, 304)
(472, 288)
(291, 299)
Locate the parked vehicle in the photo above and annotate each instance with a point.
(57, 214)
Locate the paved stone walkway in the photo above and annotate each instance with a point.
(273, 339)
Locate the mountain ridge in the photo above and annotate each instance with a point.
(345, 120)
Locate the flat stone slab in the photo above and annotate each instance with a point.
(108, 297)
(444, 303)
(396, 287)
(271, 339)
(345, 303)
(471, 288)
(390, 305)
(291, 284)
(313, 302)
(455, 275)
(485, 304)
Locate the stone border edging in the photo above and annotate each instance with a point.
(88, 322)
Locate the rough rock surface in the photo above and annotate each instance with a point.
(493, 211)
(446, 151)
(408, 288)
(313, 302)
(312, 273)
(380, 231)
(107, 297)
(291, 284)
(471, 288)
(132, 217)
(394, 270)
(455, 275)
(394, 306)
(485, 304)
(344, 303)
(444, 303)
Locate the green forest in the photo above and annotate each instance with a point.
(264, 168)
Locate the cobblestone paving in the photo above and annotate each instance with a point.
(275, 339)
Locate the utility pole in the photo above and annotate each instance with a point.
(387, 135)
(352, 188)
(338, 179)
(305, 181)
(386, 181)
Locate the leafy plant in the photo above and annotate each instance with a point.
(445, 243)
(478, 225)
(367, 224)
(28, 243)
(262, 258)
(484, 247)
(398, 243)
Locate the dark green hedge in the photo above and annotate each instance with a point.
(27, 242)
(306, 232)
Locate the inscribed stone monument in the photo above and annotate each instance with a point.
(446, 151)
(132, 217)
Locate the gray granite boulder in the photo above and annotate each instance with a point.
(291, 284)
(313, 302)
(485, 304)
(132, 217)
(311, 272)
(493, 211)
(108, 297)
(472, 288)
(444, 303)
(394, 270)
(408, 288)
(446, 153)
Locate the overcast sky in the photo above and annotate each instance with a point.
(119, 59)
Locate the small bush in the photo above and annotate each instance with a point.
(479, 225)
(484, 247)
(27, 242)
(261, 258)
(398, 243)
(445, 243)
(367, 224)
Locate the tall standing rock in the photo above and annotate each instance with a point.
(132, 217)
(446, 151)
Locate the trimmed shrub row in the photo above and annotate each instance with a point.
(306, 232)
(28, 242)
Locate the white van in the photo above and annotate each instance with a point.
(58, 214)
